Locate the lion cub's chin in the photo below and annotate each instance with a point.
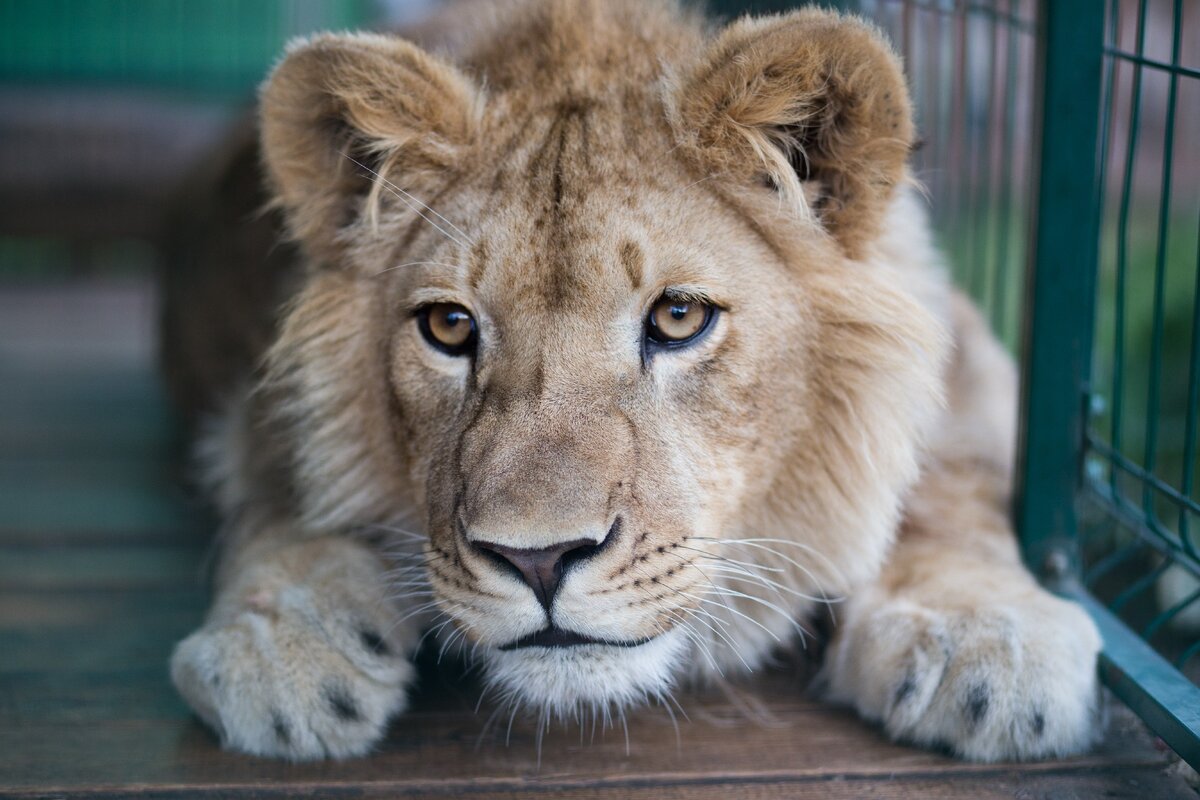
(568, 682)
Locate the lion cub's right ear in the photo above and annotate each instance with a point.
(377, 100)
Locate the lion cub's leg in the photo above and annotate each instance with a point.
(956, 644)
(302, 655)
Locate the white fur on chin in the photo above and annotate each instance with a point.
(564, 682)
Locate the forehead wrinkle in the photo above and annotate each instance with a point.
(574, 225)
(477, 264)
(632, 259)
(566, 175)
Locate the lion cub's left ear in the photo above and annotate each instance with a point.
(379, 100)
(812, 101)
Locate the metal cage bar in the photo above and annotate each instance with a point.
(1075, 97)
(1147, 683)
(1060, 284)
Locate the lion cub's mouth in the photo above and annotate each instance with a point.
(557, 637)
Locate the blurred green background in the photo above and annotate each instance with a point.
(217, 48)
(107, 108)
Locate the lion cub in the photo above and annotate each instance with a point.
(612, 345)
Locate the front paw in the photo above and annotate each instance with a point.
(290, 677)
(992, 683)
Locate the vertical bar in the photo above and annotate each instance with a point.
(972, 222)
(993, 144)
(932, 151)
(1006, 175)
(1193, 411)
(1150, 454)
(1108, 125)
(959, 181)
(1061, 282)
(1135, 105)
(979, 154)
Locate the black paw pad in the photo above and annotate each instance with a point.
(976, 705)
(340, 702)
(373, 642)
(283, 731)
(904, 690)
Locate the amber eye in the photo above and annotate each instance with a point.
(449, 327)
(674, 321)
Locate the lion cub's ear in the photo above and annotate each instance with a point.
(378, 100)
(811, 101)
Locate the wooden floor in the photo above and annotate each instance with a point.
(100, 573)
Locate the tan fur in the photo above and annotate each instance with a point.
(804, 93)
(579, 159)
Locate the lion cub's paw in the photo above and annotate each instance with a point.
(291, 677)
(995, 683)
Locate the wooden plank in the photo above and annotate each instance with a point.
(91, 735)
(1115, 784)
(434, 760)
(86, 708)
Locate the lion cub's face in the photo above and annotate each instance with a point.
(578, 335)
(598, 374)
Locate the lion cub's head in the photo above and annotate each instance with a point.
(600, 309)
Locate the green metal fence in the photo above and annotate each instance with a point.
(1062, 156)
(1137, 491)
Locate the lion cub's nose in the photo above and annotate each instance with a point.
(542, 568)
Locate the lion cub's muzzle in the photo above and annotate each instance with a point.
(542, 570)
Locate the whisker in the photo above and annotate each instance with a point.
(674, 722)
(766, 583)
(707, 618)
(487, 725)
(767, 604)
(397, 623)
(695, 638)
(417, 264)
(746, 617)
(456, 634)
(403, 195)
(722, 634)
(541, 729)
(762, 541)
(625, 727)
(434, 631)
(379, 526)
(696, 183)
(755, 543)
(706, 554)
(515, 705)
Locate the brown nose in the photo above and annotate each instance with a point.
(542, 569)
